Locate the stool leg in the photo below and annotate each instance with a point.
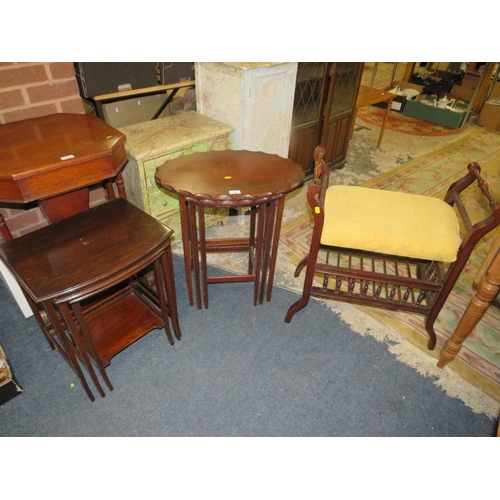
(310, 262)
(306, 290)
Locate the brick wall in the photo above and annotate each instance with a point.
(28, 90)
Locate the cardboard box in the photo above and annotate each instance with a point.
(460, 92)
(100, 78)
(466, 87)
(470, 80)
(9, 388)
(418, 108)
(134, 110)
(142, 109)
(399, 102)
(489, 115)
(495, 92)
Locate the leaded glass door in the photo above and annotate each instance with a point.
(324, 110)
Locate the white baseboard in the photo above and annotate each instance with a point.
(15, 290)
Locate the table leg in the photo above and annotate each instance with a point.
(274, 252)
(161, 279)
(79, 332)
(203, 254)
(184, 215)
(251, 240)
(195, 251)
(475, 311)
(168, 270)
(386, 116)
(65, 205)
(4, 230)
(269, 214)
(65, 348)
(259, 243)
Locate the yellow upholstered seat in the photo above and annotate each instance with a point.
(388, 249)
(390, 222)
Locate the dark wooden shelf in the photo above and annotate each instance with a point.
(119, 320)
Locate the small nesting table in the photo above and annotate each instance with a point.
(230, 179)
(96, 279)
(89, 275)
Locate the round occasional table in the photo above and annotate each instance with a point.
(230, 179)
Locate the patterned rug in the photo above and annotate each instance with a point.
(404, 124)
(479, 360)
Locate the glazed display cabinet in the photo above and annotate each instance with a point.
(323, 112)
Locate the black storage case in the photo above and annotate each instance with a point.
(98, 78)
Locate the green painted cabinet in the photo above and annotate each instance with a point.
(150, 144)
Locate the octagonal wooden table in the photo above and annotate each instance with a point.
(53, 159)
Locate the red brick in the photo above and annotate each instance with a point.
(30, 229)
(62, 70)
(96, 196)
(72, 105)
(31, 112)
(52, 91)
(21, 75)
(11, 99)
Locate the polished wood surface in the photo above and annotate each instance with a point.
(51, 155)
(86, 252)
(230, 179)
(96, 279)
(369, 96)
(487, 292)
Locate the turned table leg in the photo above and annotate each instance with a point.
(475, 311)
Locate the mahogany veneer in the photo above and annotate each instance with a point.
(231, 179)
(96, 279)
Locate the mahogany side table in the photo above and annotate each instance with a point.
(86, 275)
(230, 179)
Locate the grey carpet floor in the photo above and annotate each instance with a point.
(239, 370)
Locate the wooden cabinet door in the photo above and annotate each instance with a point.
(324, 109)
